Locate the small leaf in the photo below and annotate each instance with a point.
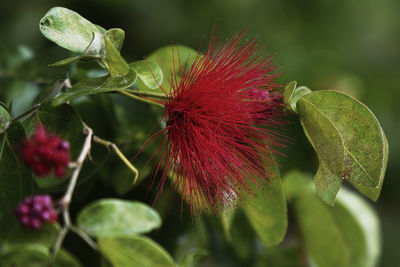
(192, 257)
(227, 218)
(118, 218)
(115, 63)
(170, 58)
(96, 86)
(150, 75)
(348, 139)
(137, 251)
(116, 37)
(267, 212)
(70, 60)
(292, 94)
(323, 239)
(360, 227)
(68, 29)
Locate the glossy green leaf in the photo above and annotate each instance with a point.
(149, 74)
(360, 227)
(170, 58)
(96, 86)
(118, 218)
(193, 257)
(20, 235)
(4, 119)
(323, 240)
(115, 63)
(15, 179)
(70, 30)
(267, 212)
(348, 139)
(137, 251)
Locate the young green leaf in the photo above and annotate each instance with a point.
(136, 251)
(114, 62)
(118, 218)
(150, 76)
(69, 30)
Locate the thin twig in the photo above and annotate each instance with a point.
(122, 92)
(66, 200)
(119, 154)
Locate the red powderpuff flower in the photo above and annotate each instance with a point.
(222, 124)
(44, 152)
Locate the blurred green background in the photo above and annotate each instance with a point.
(350, 45)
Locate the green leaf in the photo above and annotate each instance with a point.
(70, 30)
(66, 259)
(243, 236)
(150, 76)
(327, 143)
(292, 94)
(360, 227)
(34, 255)
(323, 239)
(267, 212)
(116, 36)
(169, 59)
(4, 119)
(227, 218)
(96, 86)
(27, 255)
(348, 139)
(70, 60)
(118, 218)
(20, 235)
(371, 192)
(192, 257)
(137, 251)
(15, 179)
(115, 63)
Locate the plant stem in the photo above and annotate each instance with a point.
(66, 199)
(119, 154)
(140, 98)
(27, 112)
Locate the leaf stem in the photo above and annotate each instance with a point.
(66, 199)
(119, 154)
(133, 96)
